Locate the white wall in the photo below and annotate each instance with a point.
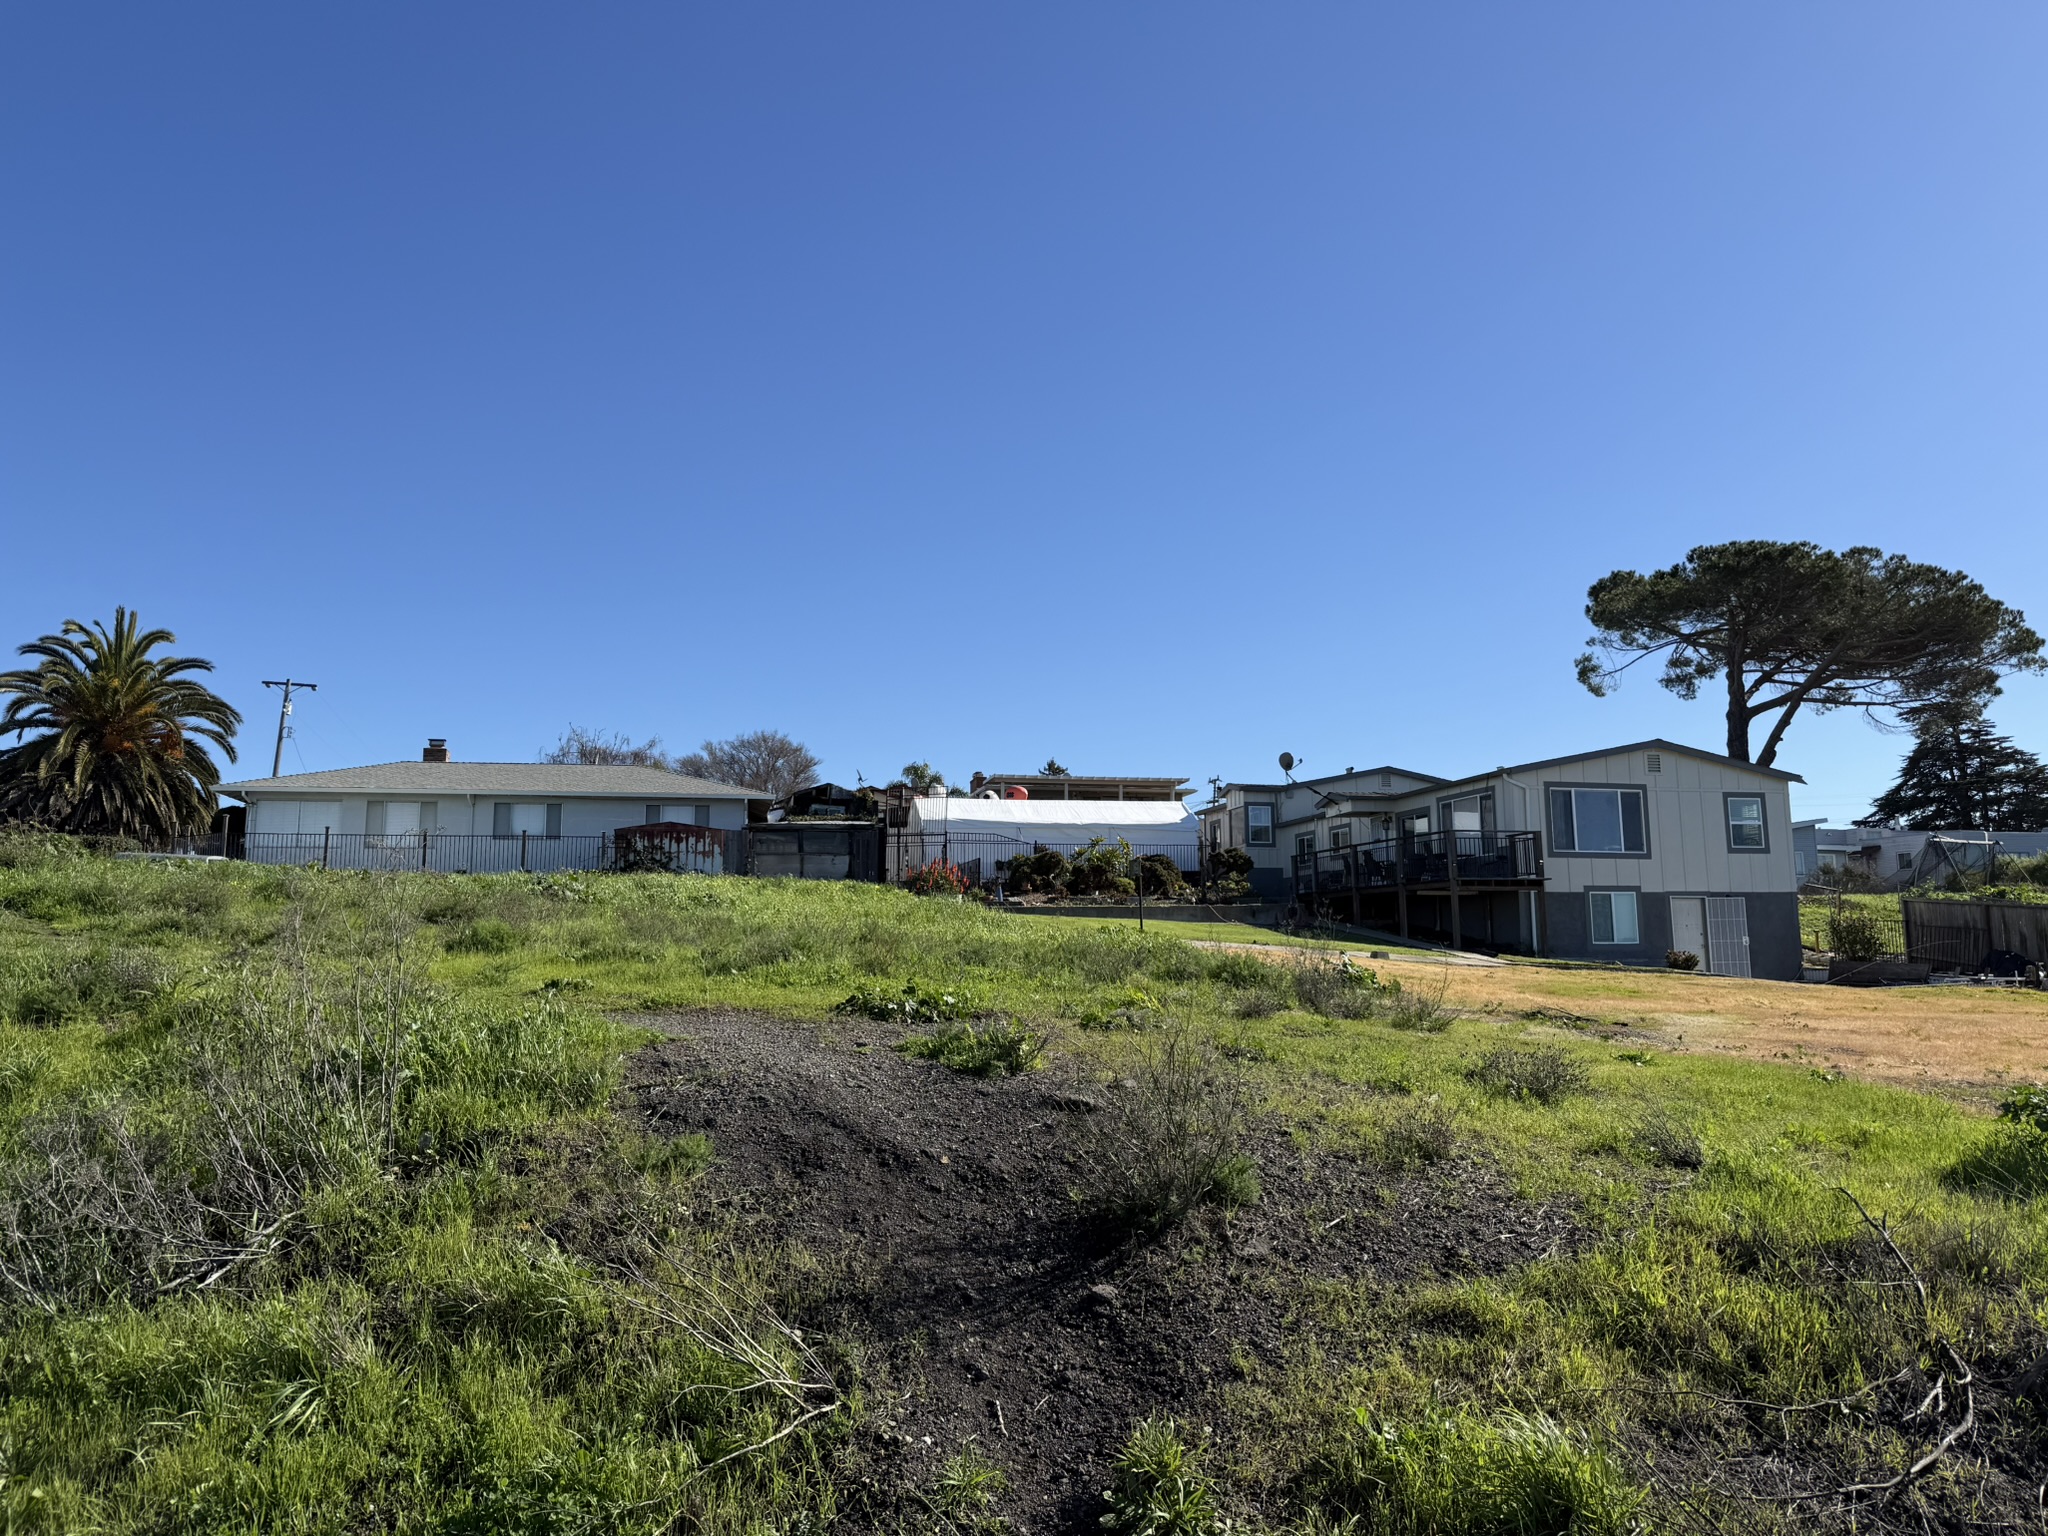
(587, 816)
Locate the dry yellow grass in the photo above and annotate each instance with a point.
(1915, 1036)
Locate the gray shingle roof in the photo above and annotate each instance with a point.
(424, 779)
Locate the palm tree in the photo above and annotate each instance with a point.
(122, 743)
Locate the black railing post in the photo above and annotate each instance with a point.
(523, 834)
(1401, 879)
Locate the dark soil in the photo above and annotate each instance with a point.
(988, 1308)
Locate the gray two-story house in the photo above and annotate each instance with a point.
(1620, 854)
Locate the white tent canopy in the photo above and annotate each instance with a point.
(999, 827)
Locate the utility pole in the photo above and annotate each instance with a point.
(284, 714)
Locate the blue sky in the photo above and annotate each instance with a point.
(1155, 386)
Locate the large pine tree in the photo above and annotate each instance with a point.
(1961, 773)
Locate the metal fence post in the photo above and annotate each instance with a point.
(523, 834)
(326, 839)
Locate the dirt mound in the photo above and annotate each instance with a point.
(987, 1307)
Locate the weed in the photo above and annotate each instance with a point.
(1464, 1474)
(1636, 1058)
(968, 1484)
(1418, 1132)
(2011, 1162)
(1135, 1009)
(987, 1048)
(1170, 1139)
(912, 1005)
(1336, 988)
(672, 1159)
(485, 936)
(1664, 1139)
(1423, 1011)
(1158, 1486)
(1543, 1073)
(2026, 1106)
(1681, 960)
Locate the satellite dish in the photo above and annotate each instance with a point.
(1287, 762)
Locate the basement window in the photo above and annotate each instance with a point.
(1614, 917)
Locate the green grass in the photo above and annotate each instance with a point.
(1225, 933)
(444, 1332)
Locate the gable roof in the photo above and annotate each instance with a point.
(1430, 781)
(571, 780)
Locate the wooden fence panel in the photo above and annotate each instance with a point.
(1959, 934)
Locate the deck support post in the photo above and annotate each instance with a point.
(1451, 872)
(1401, 881)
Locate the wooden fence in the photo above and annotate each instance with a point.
(1959, 934)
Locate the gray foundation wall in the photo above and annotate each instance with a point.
(1774, 953)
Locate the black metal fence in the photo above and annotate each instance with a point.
(990, 853)
(460, 853)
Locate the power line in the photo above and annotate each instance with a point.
(284, 714)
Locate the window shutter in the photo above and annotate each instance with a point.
(373, 818)
(501, 819)
(554, 821)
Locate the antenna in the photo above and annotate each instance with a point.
(283, 714)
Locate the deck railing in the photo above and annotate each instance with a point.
(1427, 859)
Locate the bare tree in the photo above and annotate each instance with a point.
(768, 761)
(606, 749)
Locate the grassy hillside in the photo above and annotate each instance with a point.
(316, 1215)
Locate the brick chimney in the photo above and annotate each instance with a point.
(436, 750)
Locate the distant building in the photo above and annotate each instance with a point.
(1079, 786)
(1899, 857)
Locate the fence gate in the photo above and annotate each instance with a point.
(1728, 935)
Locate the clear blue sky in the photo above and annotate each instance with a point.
(1157, 386)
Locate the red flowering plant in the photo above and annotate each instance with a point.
(937, 878)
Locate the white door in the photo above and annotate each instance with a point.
(1689, 926)
(1727, 935)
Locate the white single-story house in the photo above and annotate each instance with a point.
(473, 816)
(1623, 853)
(963, 829)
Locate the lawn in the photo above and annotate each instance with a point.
(1222, 933)
(318, 1214)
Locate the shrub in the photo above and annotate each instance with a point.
(1336, 988)
(1464, 1474)
(1229, 874)
(1417, 1133)
(1235, 968)
(486, 936)
(2026, 1106)
(1101, 869)
(1856, 933)
(912, 1005)
(1158, 1487)
(1544, 1074)
(1042, 871)
(937, 878)
(1681, 960)
(1163, 878)
(103, 984)
(1170, 1139)
(989, 1048)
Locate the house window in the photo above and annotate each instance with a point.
(1304, 842)
(1215, 835)
(653, 815)
(399, 818)
(1469, 813)
(509, 818)
(1614, 917)
(1597, 821)
(1258, 826)
(1905, 861)
(1340, 836)
(1746, 822)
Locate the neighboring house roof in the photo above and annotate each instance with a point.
(1654, 744)
(570, 780)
